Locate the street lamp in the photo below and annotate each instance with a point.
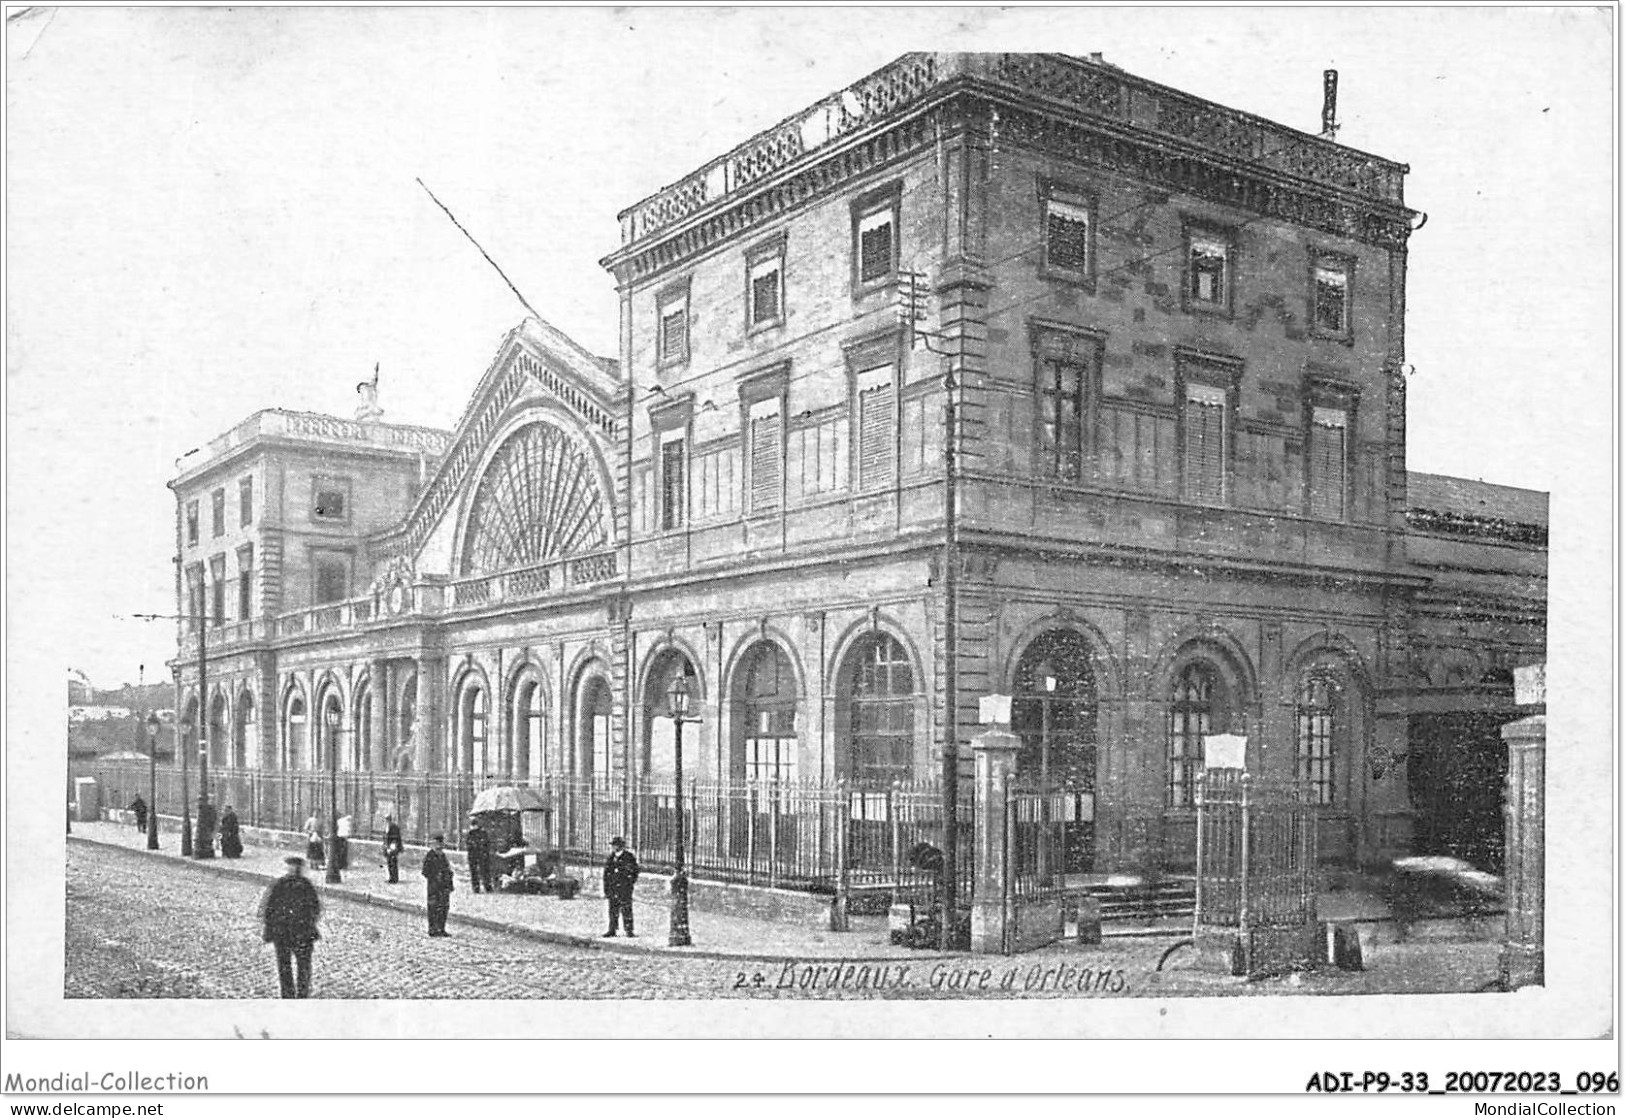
(333, 717)
(152, 758)
(677, 700)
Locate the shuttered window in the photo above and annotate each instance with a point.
(1204, 465)
(1331, 298)
(673, 506)
(877, 410)
(673, 333)
(766, 283)
(766, 457)
(1066, 235)
(1328, 463)
(1209, 270)
(876, 248)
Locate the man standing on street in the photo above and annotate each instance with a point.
(620, 875)
(478, 847)
(438, 872)
(231, 834)
(392, 849)
(288, 916)
(138, 807)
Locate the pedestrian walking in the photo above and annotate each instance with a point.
(288, 914)
(478, 846)
(313, 842)
(392, 849)
(231, 835)
(438, 872)
(620, 875)
(138, 806)
(341, 847)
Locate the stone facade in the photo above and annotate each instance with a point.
(988, 374)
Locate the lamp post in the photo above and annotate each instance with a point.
(677, 700)
(152, 759)
(332, 717)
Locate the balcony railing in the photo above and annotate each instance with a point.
(1091, 88)
(534, 582)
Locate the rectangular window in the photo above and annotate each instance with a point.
(1330, 295)
(673, 462)
(218, 507)
(765, 282)
(1060, 425)
(766, 455)
(332, 574)
(1066, 234)
(875, 237)
(191, 523)
(877, 428)
(1209, 267)
(1206, 409)
(245, 502)
(672, 345)
(217, 590)
(330, 499)
(1328, 463)
(194, 596)
(245, 583)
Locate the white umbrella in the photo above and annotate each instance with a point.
(508, 798)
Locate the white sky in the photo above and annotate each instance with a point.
(214, 211)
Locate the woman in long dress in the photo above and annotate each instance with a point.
(231, 837)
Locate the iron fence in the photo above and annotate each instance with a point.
(822, 838)
(1255, 851)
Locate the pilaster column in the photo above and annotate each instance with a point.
(432, 711)
(992, 914)
(1523, 953)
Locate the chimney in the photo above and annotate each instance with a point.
(1097, 58)
(1328, 106)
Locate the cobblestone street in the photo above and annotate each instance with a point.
(151, 928)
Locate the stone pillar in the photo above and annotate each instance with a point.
(992, 914)
(432, 712)
(377, 750)
(1523, 952)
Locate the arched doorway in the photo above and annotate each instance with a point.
(766, 708)
(330, 731)
(219, 742)
(596, 757)
(1054, 712)
(527, 728)
(472, 754)
(657, 757)
(878, 703)
(296, 734)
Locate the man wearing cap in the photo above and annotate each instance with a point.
(620, 875)
(438, 873)
(288, 914)
(392, 849)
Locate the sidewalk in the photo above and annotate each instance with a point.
(578, 922)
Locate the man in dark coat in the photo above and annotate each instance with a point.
(288, 914)
(620, 875)
(231, 835)
(392, 849)
(139, 807)
(478, 846)
(438, 872)
(203, 840)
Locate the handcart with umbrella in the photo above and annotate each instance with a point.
(513, 815)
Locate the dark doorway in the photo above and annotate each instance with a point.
(1457, 772)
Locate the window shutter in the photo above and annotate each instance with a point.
(674, 335)
(875, 247)
(672, 505)
(1328, 482)
(876, 407)
(1204, 445)
(1067, 234)
(764, 294)
(764, 462)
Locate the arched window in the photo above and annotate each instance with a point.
(1054, 711)
(765, 716)
(330, 732)
(245, 745)
(538, 499)
(596, 757)
(880, 748)
(219, 739)
(527, 750)
(472, 756)
(295, 745)
(1190, 719)
(660, 734)
(355, 757)
(1318, 702)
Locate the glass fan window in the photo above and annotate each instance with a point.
(539, 500)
